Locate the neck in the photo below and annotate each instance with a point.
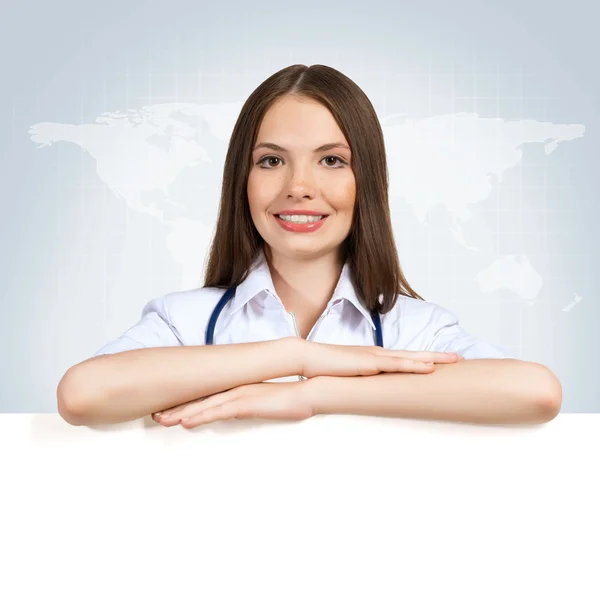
(305, 286)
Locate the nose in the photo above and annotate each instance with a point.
(302, 182)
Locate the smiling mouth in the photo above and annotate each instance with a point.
(298, 225)
(301, 218)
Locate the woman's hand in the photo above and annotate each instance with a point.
(268, 400)
(348, 361)
(290, 400)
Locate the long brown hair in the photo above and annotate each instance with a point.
(369, 247)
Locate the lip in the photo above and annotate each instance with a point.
(300, 227)
(310, 213)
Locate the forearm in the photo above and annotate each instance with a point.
(128, 385)
(474, 391)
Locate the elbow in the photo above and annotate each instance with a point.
(549, 396)
(69, 397)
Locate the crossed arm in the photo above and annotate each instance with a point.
(133, 384)
(475, 391)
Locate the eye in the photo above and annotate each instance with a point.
(337, 158)
(265, 158)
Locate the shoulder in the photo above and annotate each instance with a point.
(419, 325)
(177, 318)
(413, 324)
(415, 313)
(187, 311)
(187, 307)
(194, 302)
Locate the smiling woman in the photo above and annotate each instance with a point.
(303, 285)
(304, 182)
(305, 140)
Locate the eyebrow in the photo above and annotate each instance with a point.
(319, 149)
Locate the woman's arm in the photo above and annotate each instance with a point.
(494, 391)
(113, 388)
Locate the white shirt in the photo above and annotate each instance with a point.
(256, 313)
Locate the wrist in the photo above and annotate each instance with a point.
(296, 349)
(314, 393)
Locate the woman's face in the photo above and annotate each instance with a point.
(296, 177)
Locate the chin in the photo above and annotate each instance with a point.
(303, 250)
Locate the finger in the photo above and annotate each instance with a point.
(172, 418)
(212, 401)
(166, 415)
(407, 365)
(437, 357)
(173, 415)
(168, 422)
(157, 419)
(168, 412)
(216, 413)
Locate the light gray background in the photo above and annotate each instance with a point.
(79, 261)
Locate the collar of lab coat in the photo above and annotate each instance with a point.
(259, 280)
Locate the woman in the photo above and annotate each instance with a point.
(319, 317)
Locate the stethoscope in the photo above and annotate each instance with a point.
(231, 292)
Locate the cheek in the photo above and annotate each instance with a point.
(251, 188)
(254, 196)
(347, 198)
(258, 191)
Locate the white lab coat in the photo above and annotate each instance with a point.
(256, 313)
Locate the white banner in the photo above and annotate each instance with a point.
(338, 506)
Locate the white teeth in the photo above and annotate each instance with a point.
(300, 218)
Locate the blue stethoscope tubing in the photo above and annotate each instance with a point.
(210, 330)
